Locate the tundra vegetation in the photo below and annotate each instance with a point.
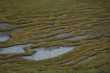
(81, 24)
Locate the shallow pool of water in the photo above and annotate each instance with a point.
(4, 37)
(17, 49)
(45, 53)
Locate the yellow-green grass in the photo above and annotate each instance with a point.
(37, 22)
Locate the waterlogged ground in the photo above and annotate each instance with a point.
(54, 36)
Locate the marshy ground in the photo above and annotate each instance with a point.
(84, 25)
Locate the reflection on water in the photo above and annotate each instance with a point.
(14, 49)
(4, 37)
(45, 53)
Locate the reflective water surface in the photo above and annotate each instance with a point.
(45, 53)
(4, 37)
(17, 49)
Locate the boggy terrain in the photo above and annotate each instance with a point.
(81, 24)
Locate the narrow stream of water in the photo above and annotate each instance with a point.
(17, 49)
(45, 53)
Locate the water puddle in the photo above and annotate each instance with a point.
(61, 36)
(47, 53)
(4, 37)
(70, 37)
(76, 38)
(4, 25)
(18, 49)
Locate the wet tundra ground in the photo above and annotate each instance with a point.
(84, 25)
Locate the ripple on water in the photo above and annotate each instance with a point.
(17, 49)
(45, 53)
